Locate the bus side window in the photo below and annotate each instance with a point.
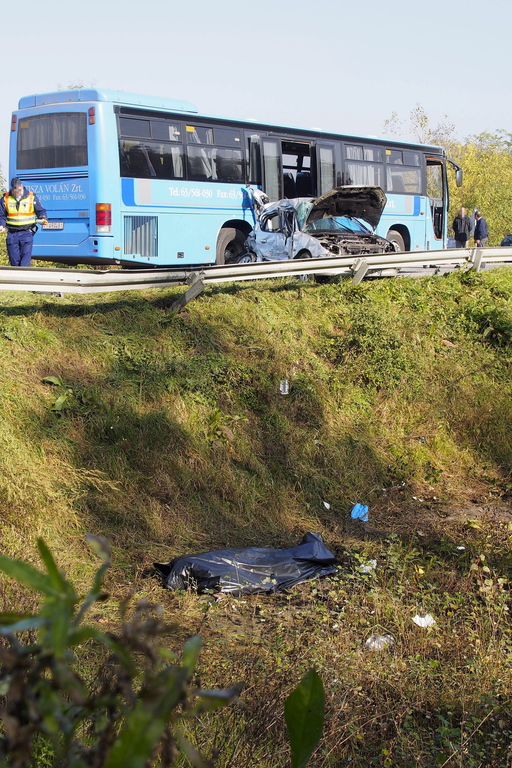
(395, 182)
(139, 162)
(363, 173)
(167, 160)
(404, 180)
(200, 164)
(228, 163)
(151, 160)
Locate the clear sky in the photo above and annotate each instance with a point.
(331, 64)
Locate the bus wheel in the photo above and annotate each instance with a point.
(230, 244)
(396, 238)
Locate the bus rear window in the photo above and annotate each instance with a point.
(57, 140)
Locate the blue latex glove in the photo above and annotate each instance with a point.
(359, 512)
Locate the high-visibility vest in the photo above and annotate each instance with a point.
(20, 214)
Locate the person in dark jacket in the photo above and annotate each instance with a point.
(19, 209)
(481, 234)
(461, 228)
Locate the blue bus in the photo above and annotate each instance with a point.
(141, 181)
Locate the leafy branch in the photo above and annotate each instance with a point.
(127, 712)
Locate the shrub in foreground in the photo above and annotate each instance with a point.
(127, 713)
(125, 708)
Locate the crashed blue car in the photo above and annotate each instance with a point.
(339, 223)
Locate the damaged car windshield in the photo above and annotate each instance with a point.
(329, 223)
(340, 224)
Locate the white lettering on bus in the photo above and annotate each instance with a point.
(56, 187)
(40, 189)
(204, 192)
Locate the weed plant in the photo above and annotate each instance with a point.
(167, 433)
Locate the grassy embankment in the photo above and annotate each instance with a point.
(167, 434)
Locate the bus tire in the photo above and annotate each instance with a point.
(230, 244)
(396, 238)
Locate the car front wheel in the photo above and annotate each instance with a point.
(304, 254)
(246, 257)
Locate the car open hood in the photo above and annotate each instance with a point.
(365, 203)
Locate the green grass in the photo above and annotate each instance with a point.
(168, 434)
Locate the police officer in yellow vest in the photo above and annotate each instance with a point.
(19, 210)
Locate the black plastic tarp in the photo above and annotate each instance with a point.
(254, 569)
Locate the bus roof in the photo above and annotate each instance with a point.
(176, 105)
(117, 97)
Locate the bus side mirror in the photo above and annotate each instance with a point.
(458, 177)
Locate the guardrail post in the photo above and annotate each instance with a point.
(195, 281)
(476, 258)
(359, 270)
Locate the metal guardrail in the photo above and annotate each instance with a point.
(47, 279)
(60, 281)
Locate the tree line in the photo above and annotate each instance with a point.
(486, 161)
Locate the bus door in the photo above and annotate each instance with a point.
(272, 181)
(298, 172)
(437, 192)
(287, 169)
(325, 168)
